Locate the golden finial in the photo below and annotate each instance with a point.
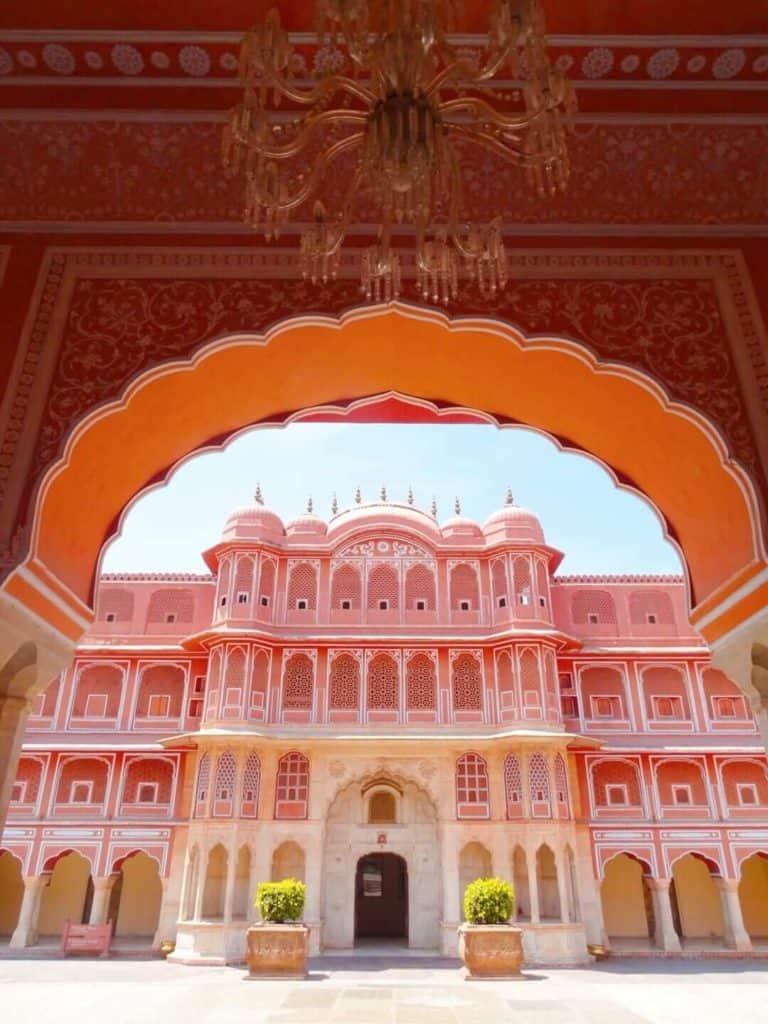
(433, 509)
(309, 504)
(334, 505)
(358, 495)
(410, 495)
(509, 500)
(257, 496)
(383, 493)
(457, 507)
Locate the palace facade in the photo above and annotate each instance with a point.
(388, 707)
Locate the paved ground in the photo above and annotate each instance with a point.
(372, 991)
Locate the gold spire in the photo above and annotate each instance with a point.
(334, 505)
(358, 495)
(257, 496)
(383, 493)
(410, 495)
(509, 500)
(433, 509)
(309, 504)
(457, 507)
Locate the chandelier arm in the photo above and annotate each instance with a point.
(328, 86)
(495, 146)
(484, 111)
(295, 146)
(444, 76)
(319, 167)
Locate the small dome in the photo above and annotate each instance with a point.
(307, 525)
(254, 522)
(514, 523)
(459, 527)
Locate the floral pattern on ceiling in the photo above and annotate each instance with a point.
(622, 173)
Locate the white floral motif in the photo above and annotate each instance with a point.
(597, 62)
(662, 63)
(6, 62)
(630, 63)
(59, 58)
(26, 59)
(729, 63)
(228, 61)
(127, 59)
(328, 60)
(159, 59)
(696, 64)
(194, 60)
(93, 60)
(760, 64)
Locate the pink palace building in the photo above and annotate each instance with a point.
(388, 707)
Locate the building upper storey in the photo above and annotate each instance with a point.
(384, 568)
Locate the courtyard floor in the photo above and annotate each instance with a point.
(369, 990)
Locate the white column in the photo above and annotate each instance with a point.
(533, 885)
(13, 717)
(229, 890)
(202, 872)
(666, 937)
(736, 935)
(25, 933)
(102, 887)
(562, 885)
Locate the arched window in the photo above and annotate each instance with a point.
(530, 679)
(383, 684)
(505, 676)
(421, 684)
(148, 783)
(420, 589)
(203, 782)
(523, 589)
(298, 683)
(83, 780)
(561, 786)
(224, 791)
(382, 808)
(513, 787)
(302, 588)
(593, 607)
(97, 693)
(243, 584)
(472, 793)
(161, 691)
(234, 682)
(542, 584)
(115, 604)
(292, 786)
(616, 786)
(249, 800)
(222, 592)
(346, 589)
(171, 605)
(383, 589)
(257, 702)
(266, 587)
(465, 591)
(500, 585)
(539, 788)
(467, 684)
(344, 686)
(651, 608)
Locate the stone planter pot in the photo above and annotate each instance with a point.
(277, 950)
(491, 950)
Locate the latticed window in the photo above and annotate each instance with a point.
(297, 683)
(538, 786)
(467, 684)
(203, 782)
(383, 588)
(344, 688)
(593, 606)
(115, 605)
(420, 588)
(259, 680)
(266, 583)
(530, 677)
(499, 581)
(465, 592)
(616, 774)
(292, 777)
(421, 684)
(561, 782)
(542, 581)
(650, 607)
(180, 604)
(244, 579)
(550, 678)
(522, 573)
(29, 772)
(225, 784)
(234, 678)
(513, 786)
(249, 800)
(346, 589)
(383, 684)
(302, 587)
(98, 681)
(225, 577)
(158, 681)
(471, 779)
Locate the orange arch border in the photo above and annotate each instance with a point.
(661, 449)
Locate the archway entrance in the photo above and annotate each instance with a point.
(381, 897)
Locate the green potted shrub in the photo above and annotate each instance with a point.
(489, 945)
(278, 945)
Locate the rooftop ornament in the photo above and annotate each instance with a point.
(399, 131)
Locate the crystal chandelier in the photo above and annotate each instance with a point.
(414, 107)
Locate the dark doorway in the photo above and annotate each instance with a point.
(381, 897)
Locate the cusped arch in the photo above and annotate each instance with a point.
(644, 864)
(706, 501)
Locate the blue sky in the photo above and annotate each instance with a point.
(599, 527)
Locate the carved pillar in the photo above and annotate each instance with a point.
(561, 863)
(533, 885)
(229, 890)
(736, 935)
(666, 937)
(102, 887)
(13, 718)
(25, 933)
(202, 872)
